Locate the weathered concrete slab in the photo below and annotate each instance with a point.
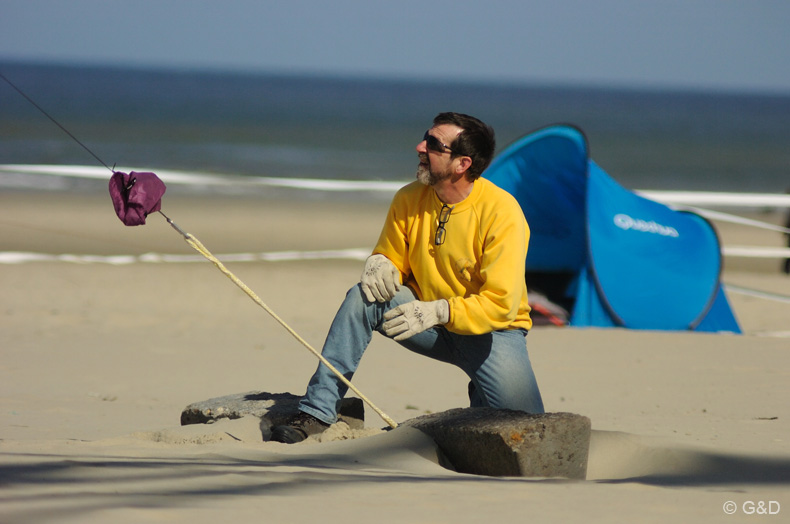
(497, 442)
(272, 408)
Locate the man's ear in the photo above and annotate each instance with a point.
(464, 163)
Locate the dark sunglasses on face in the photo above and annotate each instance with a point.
(432, 143)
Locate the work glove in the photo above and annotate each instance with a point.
(415, 317)
(380, 279)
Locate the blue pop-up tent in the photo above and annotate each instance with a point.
(607, 255)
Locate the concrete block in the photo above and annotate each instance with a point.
(497, 442)
(273, 409)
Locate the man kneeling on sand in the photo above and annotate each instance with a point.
(445, 280)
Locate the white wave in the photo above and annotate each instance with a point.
(199, 178)
(22, 257)
(716, 198)
(755, 251)
(196, 178)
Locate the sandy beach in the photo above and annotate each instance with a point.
(99, 359)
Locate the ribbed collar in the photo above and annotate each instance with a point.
(466, 203)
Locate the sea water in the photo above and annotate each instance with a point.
(366, 129)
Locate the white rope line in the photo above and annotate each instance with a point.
(735, 219)
(757, 293)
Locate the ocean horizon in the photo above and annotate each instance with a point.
(343, 128)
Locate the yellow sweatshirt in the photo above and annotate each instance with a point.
(480, 267)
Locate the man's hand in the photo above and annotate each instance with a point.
(380, 279)
(415, 317)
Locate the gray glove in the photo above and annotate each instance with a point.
(415, 317)
(380, 279)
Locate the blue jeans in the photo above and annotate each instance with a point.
(497, 363)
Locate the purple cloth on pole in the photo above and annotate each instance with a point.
(135, 196)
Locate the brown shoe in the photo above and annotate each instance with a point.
(301, 426)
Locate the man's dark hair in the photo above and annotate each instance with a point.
(476, 141)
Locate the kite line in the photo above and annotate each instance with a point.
(54, 121)
(200, 248)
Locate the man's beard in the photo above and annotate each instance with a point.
(425, 176)
(428, 177)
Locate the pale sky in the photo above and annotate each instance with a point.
(701, 44)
